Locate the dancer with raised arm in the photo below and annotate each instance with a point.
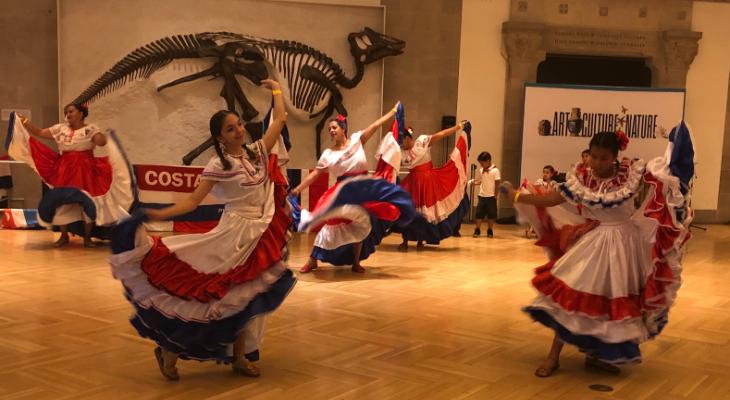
(614, 269)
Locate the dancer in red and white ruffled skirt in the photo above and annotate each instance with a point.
(356, 213)
(83, 188)
(614, 262)
(439, 194)
(205, 296)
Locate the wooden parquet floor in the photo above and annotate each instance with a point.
(442, 323)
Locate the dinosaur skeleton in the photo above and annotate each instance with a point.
(312, 77)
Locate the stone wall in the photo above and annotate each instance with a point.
(29, 71)
(426, 77)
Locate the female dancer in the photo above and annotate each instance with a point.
(439, 194)
(614, 270)
(204, 296)
(355, 214)
(83, 187)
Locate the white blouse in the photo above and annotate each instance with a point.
(419, 154)
(68, 139)
(348, 160)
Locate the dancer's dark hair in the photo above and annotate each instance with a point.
(216, 125)
(341, 121)
(605, 140)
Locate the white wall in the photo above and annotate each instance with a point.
(707, 95)
(482, 74)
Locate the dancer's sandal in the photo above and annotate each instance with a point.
(358, 268)
(543, 372)
(169, 374)
(307, 268)
(246, 368)
(61, 242)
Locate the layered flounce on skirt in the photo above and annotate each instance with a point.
(82, 187)
(195, 294)
(439, 195)
(609, 284)
(356, 209)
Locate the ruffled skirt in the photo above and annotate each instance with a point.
(609, 285)
(195, 294)
(439, 195)
(82, 187)
(356, 209)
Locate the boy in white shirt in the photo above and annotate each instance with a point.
(488, 181)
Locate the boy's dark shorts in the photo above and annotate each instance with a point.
(487, 207)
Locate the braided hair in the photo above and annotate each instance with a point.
(216, 126)
(606, 140)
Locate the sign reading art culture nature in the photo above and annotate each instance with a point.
(559, 122)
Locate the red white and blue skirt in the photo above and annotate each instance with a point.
(613, 270)
(439, 195)
(195, 294)
(82, 187)
(358, 208)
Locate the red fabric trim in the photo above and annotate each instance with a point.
(385, 171)
(78, 169)
(165, 271)
(587, 303)
(428, 185)
(463, 147)
(667, 235)
(591, 182)
(317, 189)
(8, 220)
(653, 296)
(382, 210)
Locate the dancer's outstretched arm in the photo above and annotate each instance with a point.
(187, 205)
(306, 182)
(549, 199)
(34, 130)
(272, 133)
(446, 133)
(368, 132)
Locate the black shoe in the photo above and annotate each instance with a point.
(477, 233)
(490, 233)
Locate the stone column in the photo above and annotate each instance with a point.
(679, 50)
(523, 42)
(723, 201)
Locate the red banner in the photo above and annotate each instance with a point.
(167, 178)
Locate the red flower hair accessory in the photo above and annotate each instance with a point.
(341, 118)
(623, 140)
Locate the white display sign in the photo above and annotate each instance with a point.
(559, 122)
